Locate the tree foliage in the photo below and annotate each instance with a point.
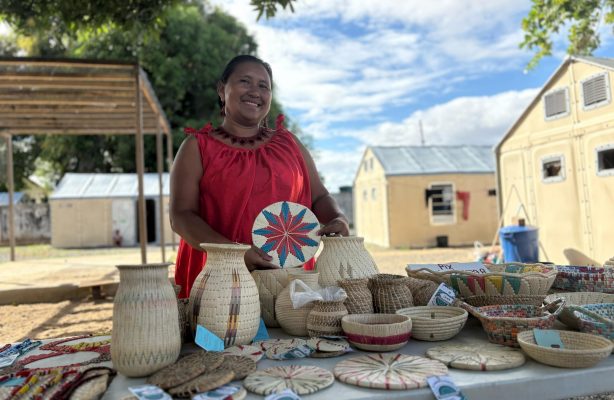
(582, 18)
(269, 7)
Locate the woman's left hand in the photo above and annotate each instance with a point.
(337, 226)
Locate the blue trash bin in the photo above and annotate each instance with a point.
(520, 243)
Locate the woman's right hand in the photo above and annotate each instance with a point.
(255, 258)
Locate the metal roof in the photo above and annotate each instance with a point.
(94, 185)
(4, 198)
(421, 160)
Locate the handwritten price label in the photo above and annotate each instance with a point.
(475, 267)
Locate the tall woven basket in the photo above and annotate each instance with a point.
(360, 299)
(390, 293)
(344, 258)
(224, 297)
(270, 283)
(145, 336)
(294, 321)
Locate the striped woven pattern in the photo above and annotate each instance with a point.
(377, 332)
(324, 319)
(584, 279)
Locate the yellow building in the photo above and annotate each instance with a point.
(87, 209)
(556, 162)
(409, 196)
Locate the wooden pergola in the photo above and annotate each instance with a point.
(82, 97)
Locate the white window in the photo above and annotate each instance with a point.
(604, 158)
(441, 203)
(373, 194)
(556, 104)
(553, 168)
(595, 91)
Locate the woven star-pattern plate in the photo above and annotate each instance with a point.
(478, 357)
(203, 383)
(287, 232)
(302, 379)
(267, 344)
(388, 371)
(240, 365)
(253, 352)
(186, 368)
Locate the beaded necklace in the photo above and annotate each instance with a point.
(234, 139)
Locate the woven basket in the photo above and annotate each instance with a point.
(433, 323)
(503, 279)
(324, 319)
(184, 324)
(480, 301)
(580, 350)
(294, 321)
(578, 299)
(584, 279)
(360, 299)
(270, 283)
(503, 322)
(344, 258)
(390, 293)
(597, 319)
(377, 332)
(421, 290)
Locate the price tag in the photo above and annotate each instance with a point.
(222, 393)
(149, 392)
(548, 338)
(476, 267)
(443, 296)
(286, 394)
(444, 388)
(262, 333)
(207, 339)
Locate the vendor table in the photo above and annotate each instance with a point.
(530, 381)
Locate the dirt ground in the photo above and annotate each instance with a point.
(67, 318)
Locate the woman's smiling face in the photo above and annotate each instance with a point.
(247, 94)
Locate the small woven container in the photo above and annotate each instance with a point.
(270, 283)
(421, 290)
(390, 293)
(480, 301)
(578, 299)
(360, 299)
(584, 279)
(324, 319)
(433, 323)
(597, 319)
(377, 332)
(503, 279)
(580, 350)
(503, 322)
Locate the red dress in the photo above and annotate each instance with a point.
(236, 185)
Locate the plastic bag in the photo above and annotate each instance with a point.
(301, 294)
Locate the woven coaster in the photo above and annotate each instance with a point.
(388, 371)
(185, 369)
(288, 352)
(203, 383)
(328, 345)
(303, 379)
(287, 232)
(477, 357)
(253, 352)
(240, 365)
(267, 344)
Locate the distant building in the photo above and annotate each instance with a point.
(557, 161)
(31, 221)
(88, 209)
(346, 202)
(422, 196)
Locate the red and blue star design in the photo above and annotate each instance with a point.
(286, 234)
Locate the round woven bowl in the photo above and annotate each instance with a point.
(578, 299)
(581, 350)
(377, 332)
(434, 323)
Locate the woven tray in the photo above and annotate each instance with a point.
(388, 371)
(186, 369)
(581, 350)
(302, 379)
(241, 366)
(597, 319)
(477, 357)
(578, 299)
(503, 322)
(584, 279)
(377, 332)
(503, 279)
(202, 383)
(435, 323)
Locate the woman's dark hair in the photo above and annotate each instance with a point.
(236, 61)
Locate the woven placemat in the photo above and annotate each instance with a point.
(253, 352)
(477, 357)
(186, 368)
(328, 345)
(302, 379)
(388, 371)
(240, 365)
(203, 383)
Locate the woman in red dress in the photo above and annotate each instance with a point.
(223, 177)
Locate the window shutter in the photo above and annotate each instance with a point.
(556, 103)
(595, 91)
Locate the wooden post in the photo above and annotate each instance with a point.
(169, 161)
(11, 185)
(140, 167)
(159, 156)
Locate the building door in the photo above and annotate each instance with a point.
(123, 214)
(150, 217)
